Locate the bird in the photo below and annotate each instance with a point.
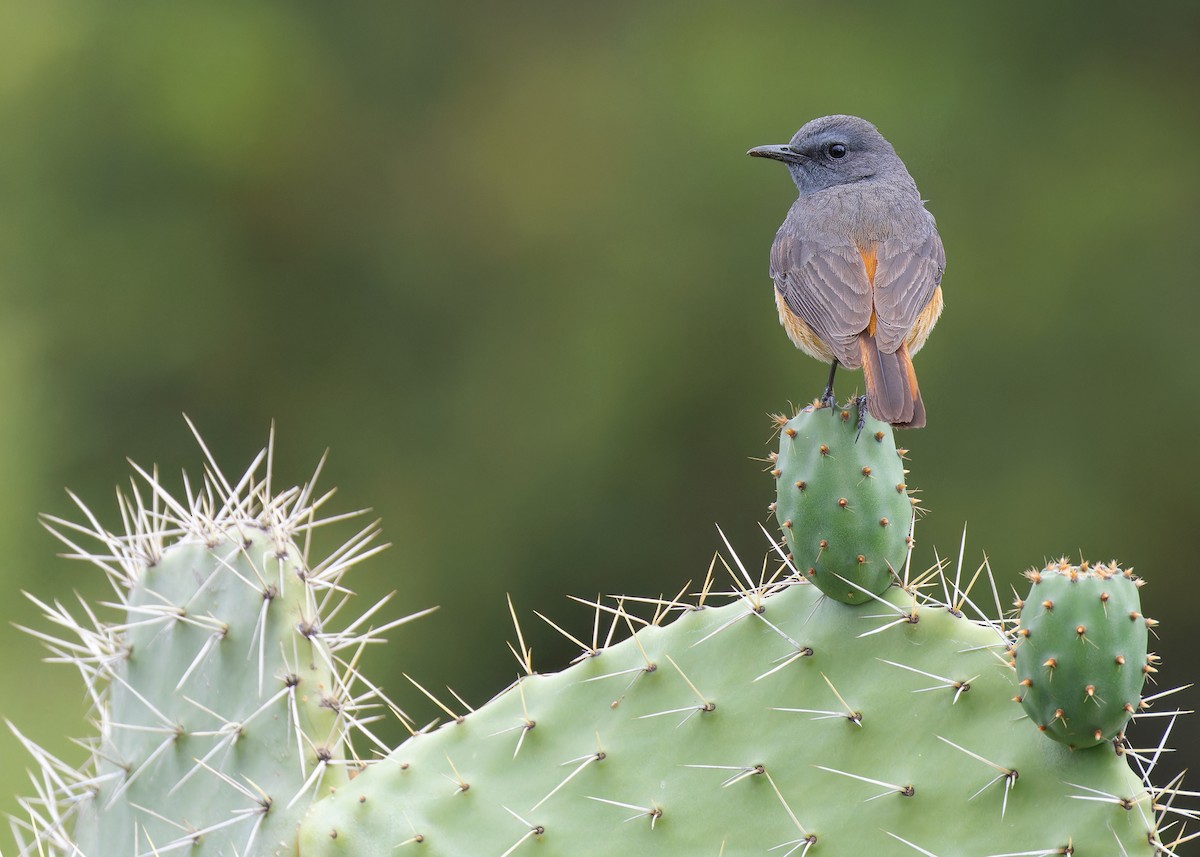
(858, 262)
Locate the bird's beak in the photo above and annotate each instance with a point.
(777, 153)
(783, 153)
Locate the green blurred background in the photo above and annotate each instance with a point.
(509, 263)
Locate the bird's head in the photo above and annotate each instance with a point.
(834, 150)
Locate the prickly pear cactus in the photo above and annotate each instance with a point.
(170, 744)
(842, 501)
(784, 720)
(222, 701)
(1081, 656)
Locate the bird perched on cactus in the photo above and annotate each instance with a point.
(857, 262)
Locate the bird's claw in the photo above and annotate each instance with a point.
(827, 399)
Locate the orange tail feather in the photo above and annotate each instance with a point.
(892, 392)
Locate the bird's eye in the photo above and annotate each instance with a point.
(837, 150)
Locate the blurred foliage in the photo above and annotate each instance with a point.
(508, 262)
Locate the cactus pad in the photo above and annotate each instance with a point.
(842, 501)
(782, 723)
(223, 704)
(1081, 651)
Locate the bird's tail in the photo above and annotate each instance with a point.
(892, 392)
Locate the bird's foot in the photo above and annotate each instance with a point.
(827, 399)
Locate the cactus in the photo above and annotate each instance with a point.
(1081, 657)
(782, 721)
(842, 501)
(222, 702)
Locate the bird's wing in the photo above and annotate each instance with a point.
(907, 272)
(826, 287)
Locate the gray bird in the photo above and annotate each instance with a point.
(858, 262)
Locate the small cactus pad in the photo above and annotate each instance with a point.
(842, 501)
(1081, 651)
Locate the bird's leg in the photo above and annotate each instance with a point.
(861, 404)
(827, 399)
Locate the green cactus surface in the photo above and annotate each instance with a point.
(783, 720)
(769, 719)
(1081, 654)
(222, 703)
(197, 709)
(842, 501)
